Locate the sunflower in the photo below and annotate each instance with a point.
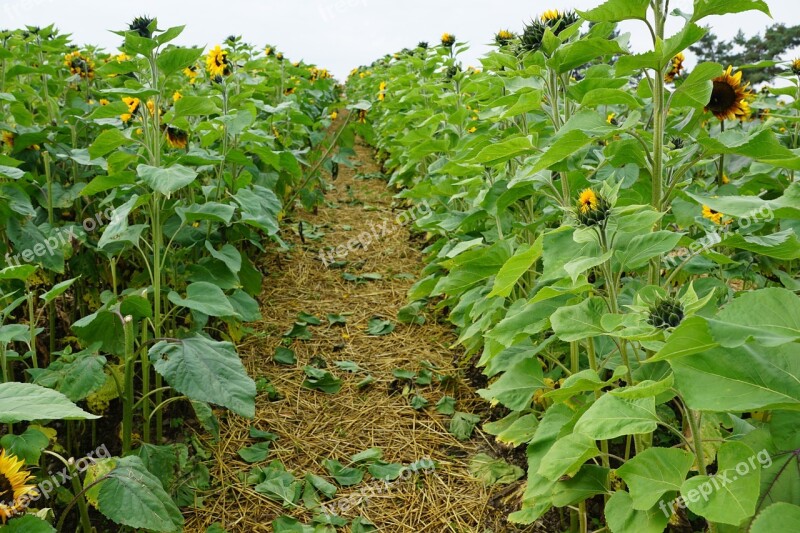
(8, 139)
(133, 107)
(503, 37)
(612, 119)
(729, 97)
(362, 116)
(725, 179)
(103, 101)
(141, 25)
(14, 493)
(176, 138)
(79, 65)
(382, 91)
(796, 66)
(423, 45)
(593, 209)
(665, 314)
(217, 63)
(176, 96)
(448, 40)
(334, 115)
(713, 216)
(550, 14)
(677, 68)
(473, 129)
(279, 56)
(269, 51)
(534, 32)
(191, 73)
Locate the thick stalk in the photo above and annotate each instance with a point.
(32, 330)
(127, 400)
(659, 126)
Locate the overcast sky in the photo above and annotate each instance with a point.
(336, 34)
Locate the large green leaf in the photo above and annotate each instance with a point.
(507, 149)
(769, 316)
(567, 456)
(134, 497)
(75, 375)
(695, 91)
(166, 180)
(777, 517)
(622, 517)
(580, 321)
(704, 8)
(731, 495)
(641, 248)
(27, 524)
(27, 446)
(653, 473)
(744, 378)
(26, 401)
(522, 260)
(206, 370)
(206, 298)
(617, 11)
(516, 387)
(611, 417)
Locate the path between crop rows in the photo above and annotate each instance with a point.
(313, 426)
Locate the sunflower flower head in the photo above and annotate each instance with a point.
(557, 21)
(144, 26)
(448, 40)
(729, 98)
(133, 108)
(176, 96)
(14, 490)
(217, 63)
(176, 137)
(79, 65)
(362, 116)
(269, 51)
(191, 73)
(796, 66)
(592, 209)
(676, 68)
(611, 119)
(503, 37)
(712, 215)
(666, 313)
(8, 139)
(382, 91)
(423, 45)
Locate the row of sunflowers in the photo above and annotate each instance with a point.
(136, 189)
(616, 240)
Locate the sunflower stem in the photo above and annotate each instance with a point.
(721, 169)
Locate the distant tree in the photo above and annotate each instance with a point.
(742, 50)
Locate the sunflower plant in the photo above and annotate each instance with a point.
(615, 239)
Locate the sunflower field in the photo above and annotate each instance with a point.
(609, 238)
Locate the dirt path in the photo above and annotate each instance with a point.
(313, 426)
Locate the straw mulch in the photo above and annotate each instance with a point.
(313, 426)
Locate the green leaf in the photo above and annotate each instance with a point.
(761, 145)
(617, 11)
(27, 524)
(385, 471)
(75, 376)
(255, 453)
(284, 356)
(108, 141)
(462, 425)
(206, 370)
(704, 8)
(287, 524)
(446, 405)
(371, 454)
(611, 417)
(166, 180)
(770, 317)
(515, 388)
(564, 147)
(204, 297)
(777, 517)
(493, 471)
(640, 249)
(321, 380)
(134, 497)
(513, 269)
(695, 91)
(745, 378)
(344, 476)
(189, 106)
(590, 481)
(623, 518)
(57, 290)
(319, 483)
(653, 473)
(212, 211)
(580, 321)
(731, 496)
(692, 336)
(567, 456)
(502, 151)
(27, 446)
(176, 59)
(377, 326)
(26, 401)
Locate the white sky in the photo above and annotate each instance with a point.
(337, 34)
